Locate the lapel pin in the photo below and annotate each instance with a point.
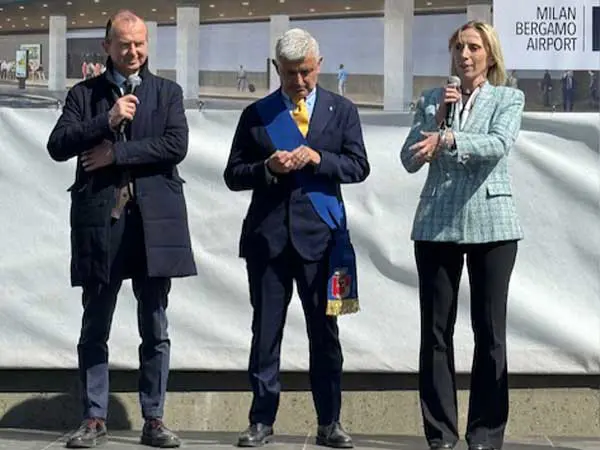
(331, 108)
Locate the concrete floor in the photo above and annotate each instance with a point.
(128, 440)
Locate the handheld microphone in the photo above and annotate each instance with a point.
(451, 107)
(133, 81)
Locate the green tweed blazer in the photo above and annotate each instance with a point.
(467, 197)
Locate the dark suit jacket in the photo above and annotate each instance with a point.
(281, 212)
(157, 142)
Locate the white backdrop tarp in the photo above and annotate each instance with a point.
(554, 305)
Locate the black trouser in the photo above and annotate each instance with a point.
(440, 266)
(270, 293)
(99, 300)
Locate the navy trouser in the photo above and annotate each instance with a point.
(271, 283)
(99, 300)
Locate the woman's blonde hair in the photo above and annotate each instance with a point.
(497, 70)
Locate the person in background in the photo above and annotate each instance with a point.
(466, 210)
(593, 86)
(568, 90)
(547, 88)
(342, 77)
(242, 79)
(90, 69)
(513, 81)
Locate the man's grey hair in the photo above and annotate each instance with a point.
(295, 45)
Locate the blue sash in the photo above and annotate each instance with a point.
(342, 288)
(285, 135)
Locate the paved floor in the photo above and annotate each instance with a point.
(40, 97)
(363, 100)
(226, 91)
(210, 97)
(206, 93)
(128, 440)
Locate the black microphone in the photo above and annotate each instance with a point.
(451, 107)
(133, 81)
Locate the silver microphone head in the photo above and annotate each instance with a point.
(134, 81)
(453, 81)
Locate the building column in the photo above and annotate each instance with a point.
(397, 54)
(278, 25)
(57, 54)
(188, 49)
(482, 13)
(152, 45)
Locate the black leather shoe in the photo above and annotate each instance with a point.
(482, 447)
(91, 433)
(333, 436)
(156, 434)
(441, 446)
(256, 435)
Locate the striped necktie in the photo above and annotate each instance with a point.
(300, 115)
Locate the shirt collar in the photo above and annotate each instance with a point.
(310, 98)
(119, 78)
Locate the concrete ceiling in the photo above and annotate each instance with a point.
(23, 16)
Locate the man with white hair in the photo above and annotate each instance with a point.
(293, 149)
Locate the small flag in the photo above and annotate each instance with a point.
(342, 284)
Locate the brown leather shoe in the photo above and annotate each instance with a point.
(333, 436)
(156, 434)
(91, 433)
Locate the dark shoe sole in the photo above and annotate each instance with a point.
(99, 441)
(152, 443)
(323, 442)
(255, 444)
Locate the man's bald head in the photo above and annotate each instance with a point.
(123, 19)
(126, 42)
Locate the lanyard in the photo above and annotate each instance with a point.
(465, 110)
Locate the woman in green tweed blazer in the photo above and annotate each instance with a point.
(466, 209)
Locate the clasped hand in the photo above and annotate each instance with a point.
(283, 162)
(100, 156)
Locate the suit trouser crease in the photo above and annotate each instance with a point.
(440, 267)
(271, 284)
(127, 256)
